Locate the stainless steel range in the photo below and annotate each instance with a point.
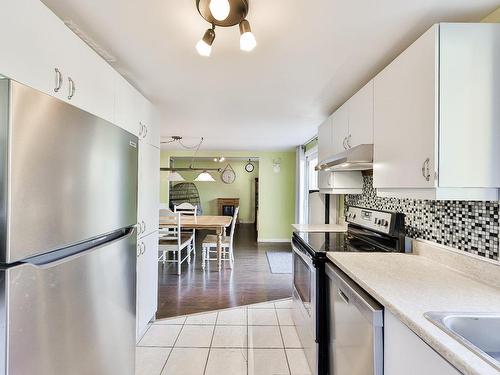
(368, 231)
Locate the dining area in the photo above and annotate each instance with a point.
(177, 237)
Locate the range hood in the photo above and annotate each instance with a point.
(358, 158)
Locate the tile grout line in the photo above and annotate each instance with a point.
(173, 346)
(283, 341)
(211, 342)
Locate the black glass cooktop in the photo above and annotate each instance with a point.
(318, 243)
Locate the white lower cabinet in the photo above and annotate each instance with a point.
(147, 281)
(405, 353)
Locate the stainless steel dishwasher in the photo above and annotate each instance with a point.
(355, 327)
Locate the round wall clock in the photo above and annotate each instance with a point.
(228, 176)
(249, 167)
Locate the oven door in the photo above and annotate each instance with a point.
(304, 303)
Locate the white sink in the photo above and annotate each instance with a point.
(479, 332)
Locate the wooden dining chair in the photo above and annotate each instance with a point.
(209, 245)
(188, 209)
(175, 241)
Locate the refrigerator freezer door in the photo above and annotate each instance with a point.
(74, 316)
(70, 176)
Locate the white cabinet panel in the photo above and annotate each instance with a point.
(405, 122)
(325, 140)
(34, 48)
(93, 79)
(405, 353)
(127, 111)
(147, 281)
(469, 125)
(150, 129)
(361, 116)
(31, 44)
(148, 188)
(343, 182)
(340, 120)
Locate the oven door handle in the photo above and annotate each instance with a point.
(306, 257)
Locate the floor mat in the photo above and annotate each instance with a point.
(279, 261)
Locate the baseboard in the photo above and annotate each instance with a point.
(273, 239)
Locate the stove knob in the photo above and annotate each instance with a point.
(376, 221)
(354, 216)
(386, 223)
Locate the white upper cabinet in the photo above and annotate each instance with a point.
(405, 116)
(437, 117)
(360, 108)
(325, 139)
(340, 121)
(127, 111)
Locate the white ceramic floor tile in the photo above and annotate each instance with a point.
(297, 362)
(284, 304)
(264, 337)
(160, 335)
(267, 362)
(290, 337)
(172, 321)
(232, 317)
(230, 337)
(150, 361)
(262, 317)
(186, 361)
(263, 305)
(195, 336)
(227, 361)
(204, 319)
(285, 317)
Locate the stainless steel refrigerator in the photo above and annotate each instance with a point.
(68, 199)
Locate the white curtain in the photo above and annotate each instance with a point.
(300, 185)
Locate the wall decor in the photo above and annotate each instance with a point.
(249, 167)
(228, 175)
(470, 226)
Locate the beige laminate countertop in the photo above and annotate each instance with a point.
(320, 227)
(411, 285)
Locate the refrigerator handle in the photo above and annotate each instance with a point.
(70, 253)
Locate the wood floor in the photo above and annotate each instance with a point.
(250, 281)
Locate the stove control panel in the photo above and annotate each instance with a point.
(379, 221)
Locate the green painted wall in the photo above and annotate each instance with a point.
(243, 187)
(276, 190)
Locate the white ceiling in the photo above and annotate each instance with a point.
(311, 56)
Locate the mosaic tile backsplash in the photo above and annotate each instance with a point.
(464, 225)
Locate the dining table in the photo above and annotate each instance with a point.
(217, 223)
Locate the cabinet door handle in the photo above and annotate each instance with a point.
(348, 141)
(144, 226)
(143, 248)
(139, 250)
(59, 80)
(343, 143)
(71, 88)
(145, 131)
(425, 169)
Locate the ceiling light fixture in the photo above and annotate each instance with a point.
(204, 46)
(220, 9)
(247, 39)
(204, 177)
(175, 177)
(225, 13)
